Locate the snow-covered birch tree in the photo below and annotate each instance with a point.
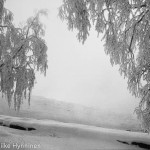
(125, 25)
(22, 53)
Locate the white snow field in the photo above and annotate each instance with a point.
(25, 133)
(42, 108)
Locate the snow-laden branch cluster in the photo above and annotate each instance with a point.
(126, 28)
(22, 52)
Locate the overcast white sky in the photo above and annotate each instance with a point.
(77, 73)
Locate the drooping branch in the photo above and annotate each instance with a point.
(126, 28)
(23, 53)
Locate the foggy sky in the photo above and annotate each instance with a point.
(77, 73)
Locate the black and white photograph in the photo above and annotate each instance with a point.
(74, 74)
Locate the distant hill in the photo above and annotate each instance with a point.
(43, 108)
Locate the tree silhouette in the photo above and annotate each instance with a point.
(125, 25)
(22, 52)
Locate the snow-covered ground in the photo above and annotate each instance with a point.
(54, 135)
(34, 128)
(42, 108)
